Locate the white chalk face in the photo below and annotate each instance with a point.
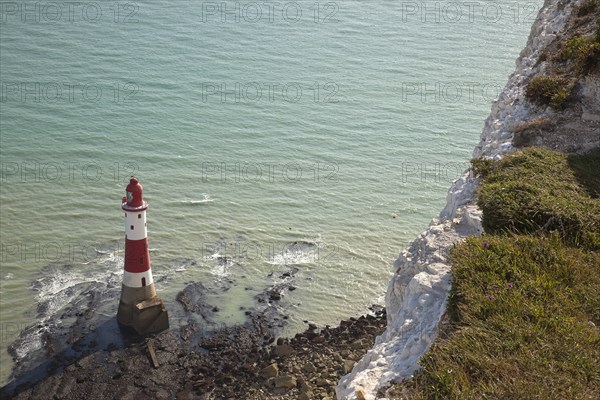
(129, 197)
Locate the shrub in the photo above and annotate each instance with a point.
(584, 51)
(538, 123)
(554, 91)
(482, 167)
(588, 59)
(572, 47)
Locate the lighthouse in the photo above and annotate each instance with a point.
(139, 307)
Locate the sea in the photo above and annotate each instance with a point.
(270, 136)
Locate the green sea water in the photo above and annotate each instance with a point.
(316, 135)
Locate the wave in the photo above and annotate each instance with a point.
(298, 252)
(205, 199)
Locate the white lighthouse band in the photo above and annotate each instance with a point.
(137, 279)
(135, 225)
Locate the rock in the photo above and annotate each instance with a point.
(193, 299)
(282, 350)
(310, 368)
(305, 395)
(348, 365)
(270, 371)
(250, 366)
(310, 335)
(87, 361)
(360, 395)
(322, 382)
(275, 296)
(319, 339)
(285, 381)
(587, 116)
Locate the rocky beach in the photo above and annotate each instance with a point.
(241, 362)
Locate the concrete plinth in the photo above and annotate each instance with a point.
(143, 310)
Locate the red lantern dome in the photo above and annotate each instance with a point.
(134, 197)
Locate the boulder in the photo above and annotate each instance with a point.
(270, 371)
(285, 381)
(282, 350)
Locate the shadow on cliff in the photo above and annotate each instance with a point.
(587, 171)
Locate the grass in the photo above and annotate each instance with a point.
(538, 189)
(524, 308)
(539, 123)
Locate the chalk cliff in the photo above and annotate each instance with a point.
(417, 293)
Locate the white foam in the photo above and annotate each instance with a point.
(302, 251)
(63, 285)
(205, 199)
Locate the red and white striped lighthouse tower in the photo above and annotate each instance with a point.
(139, 307)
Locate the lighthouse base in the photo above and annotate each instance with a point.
(147, 317)
(150, 316)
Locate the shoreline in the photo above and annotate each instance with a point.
(246, 361)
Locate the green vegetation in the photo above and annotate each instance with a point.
(538, 189)
(584, 51)
(573, 47)
(587, 58)
(524, 309)
(482, 167)
(554, 91)
(574, 56)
